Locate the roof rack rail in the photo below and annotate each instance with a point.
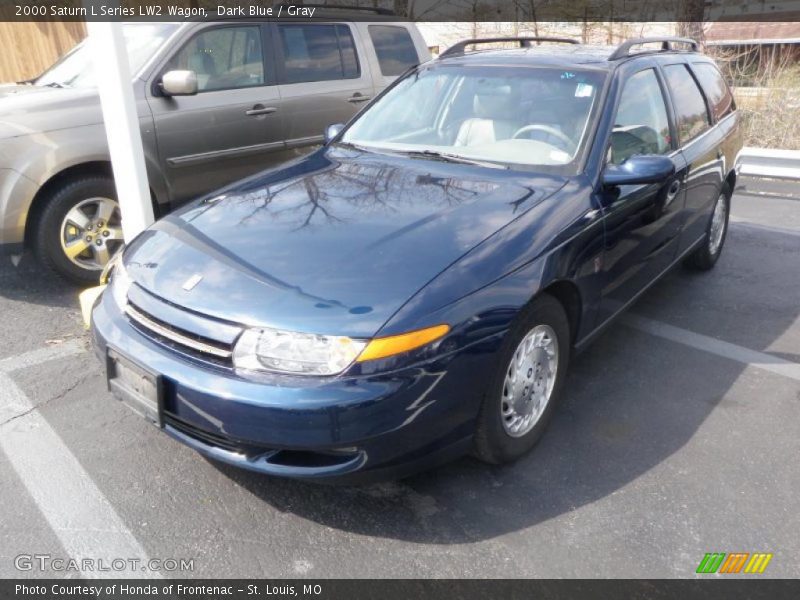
(524, 42)
(323, 7)
(623, 50)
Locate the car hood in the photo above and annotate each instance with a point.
(30, 109)
(335, 243)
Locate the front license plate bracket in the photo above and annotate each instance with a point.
(136, 386)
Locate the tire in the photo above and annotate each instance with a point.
(72, 219)
(495, 442)
(706, 256)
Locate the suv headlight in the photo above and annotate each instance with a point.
(300, 353)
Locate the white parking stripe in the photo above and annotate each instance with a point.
(79, 514)
(40, 355)
(767, 362)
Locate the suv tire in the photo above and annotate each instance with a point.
(81, 213)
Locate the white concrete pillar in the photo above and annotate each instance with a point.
(114, 84)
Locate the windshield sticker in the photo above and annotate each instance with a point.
(584, 90)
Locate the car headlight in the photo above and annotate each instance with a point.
(273, 350)
(120, 282)
(300, 353)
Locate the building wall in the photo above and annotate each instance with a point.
(444, 35)
(29, 48)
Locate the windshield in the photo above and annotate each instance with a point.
(517, 117)
(76, 70)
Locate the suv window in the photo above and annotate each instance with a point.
(394, 47)
(223, 58)
(318, 53)
(690, 106)
(717, 91)
(641, 125)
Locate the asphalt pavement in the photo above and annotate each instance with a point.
(680, 435)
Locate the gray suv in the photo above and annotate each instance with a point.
(216, 102)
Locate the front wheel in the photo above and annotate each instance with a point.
(527, 384)
(705, 257)
(79, 229)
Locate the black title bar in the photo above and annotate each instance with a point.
(405, 589)
(417, 10)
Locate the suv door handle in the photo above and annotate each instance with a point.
(358, 97)
(260, 109)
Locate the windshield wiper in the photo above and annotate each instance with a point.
(352, 146)
(54, 84)
(455, 158)
(429, 154)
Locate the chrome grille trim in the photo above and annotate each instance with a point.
(174, 336)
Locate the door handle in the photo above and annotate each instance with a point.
(358, 97)
(672, 192)
(260, 109)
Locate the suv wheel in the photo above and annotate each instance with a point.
(527, 385)
(79, 229)
(705, 257)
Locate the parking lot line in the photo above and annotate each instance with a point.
(740, 354)
(79, 514)
(40, 355)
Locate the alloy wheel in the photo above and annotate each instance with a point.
(91, 232)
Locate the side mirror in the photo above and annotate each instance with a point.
(179, 83)
(640, 169)
(331, 131)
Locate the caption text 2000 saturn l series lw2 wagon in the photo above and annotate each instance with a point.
(413, 290)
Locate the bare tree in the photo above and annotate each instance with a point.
(691, 14)
(401, 8)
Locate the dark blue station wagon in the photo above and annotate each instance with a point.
(414, 289)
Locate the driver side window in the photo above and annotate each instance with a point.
(223, 58)
(641, 125)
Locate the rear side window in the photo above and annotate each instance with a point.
(318, 53)
(641, 125)
(394, 47)
(690, 106)
(224, 58)
(717, 91)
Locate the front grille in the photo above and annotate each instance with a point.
(185, 342)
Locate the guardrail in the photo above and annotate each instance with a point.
(767, 162)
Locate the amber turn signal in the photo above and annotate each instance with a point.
(396, 344)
